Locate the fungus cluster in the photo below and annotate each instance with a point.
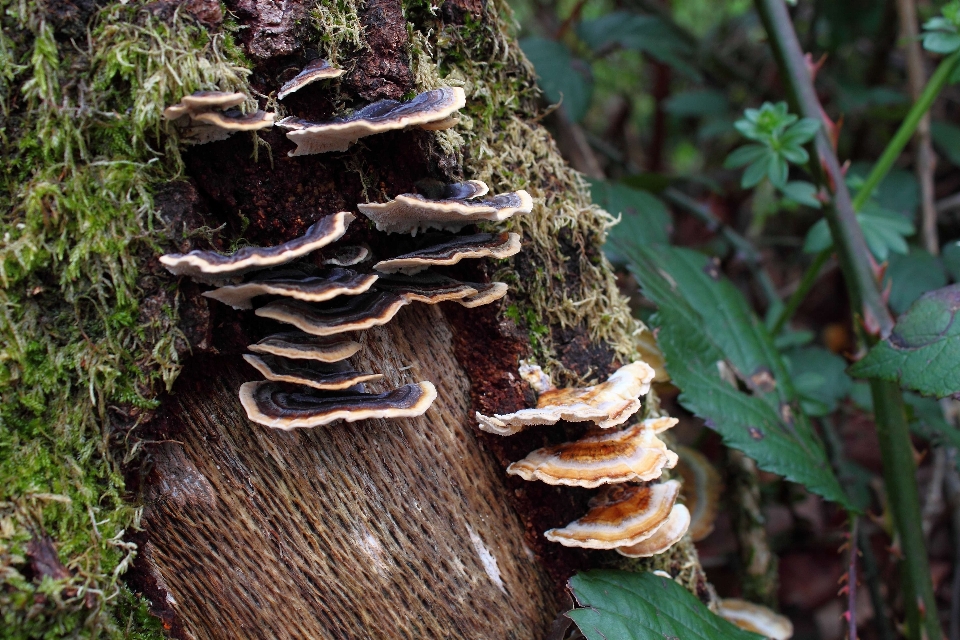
(208, 116)
(308, 381)
(633, 514)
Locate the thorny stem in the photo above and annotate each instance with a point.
(903, 135)
(899, 468)
(852, 581)
(810, 277)
(871, 575)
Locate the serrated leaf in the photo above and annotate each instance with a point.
(923, 351)
(820, 378)
(707, 329)
(558, 77)
(620, 605)
(645, 219)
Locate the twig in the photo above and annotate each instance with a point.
(925, 162)
(852, 581)
(899, 467)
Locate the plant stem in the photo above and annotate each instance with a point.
(899, 474)
(852, 582)
(903, 135)
(899, 470)
(806, 283)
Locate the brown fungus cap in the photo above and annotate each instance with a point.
(210, 266)
(285, 406)
(346, 256)
(317, 375)
(336, 282)
(666, 536)
(608, 404)
(480, 245)
(412, 212)
(427, 287)
(621, 518)
(235, 120)
(318, 69)
(702, 486)
(203, 101)
(303, 346)
(386, 115)
(634, 454)
(756, 618)
(486, 293)
(351, 313)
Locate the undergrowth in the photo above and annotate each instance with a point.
(86, 338)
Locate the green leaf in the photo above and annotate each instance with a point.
(941, 42)
(647, 34)
(697, 103)
(777, 171)
(950, 254)
(801, 132)
(756, 171)
(794, 154)
(820, 377)
(923, 351)
(620, 605)
(912, 275)
(818, 237)
(926, 420)
(558, 76)
(645, 219)
(947, 138)
(746, 154)
(708, 333)
(802, 193)
(883, 230)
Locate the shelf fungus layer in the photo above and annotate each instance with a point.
(370, 309)
(285, 406)
(210, 266)
(208, 116)
(608, 404)
(412, 212)
(318, 69)
(346, 256)
(427, 287)
(486, 293)
(756, 618)
(622, 516)
(202, 101)
(298, 345)
(665, 537)
(702, 486)
(435, 106)
(337, 282)
(480, 245)
(316, 375)
(634, 454)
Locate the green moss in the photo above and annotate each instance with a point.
(86, 338)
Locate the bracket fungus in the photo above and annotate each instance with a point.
(412, 212)
(608, 404)
(210, 266)
(430, 107)
(480, 245)
(303, 346)
(336, 282)
(666, 535)
(286, 406)
(347, 256)
(318, 69)
(756, 618)
(621, 517)
(209, 116)
(486, 293)
(317, 375)
(370, 309)
(634, 454)
(702, 486)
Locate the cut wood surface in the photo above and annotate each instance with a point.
(373, 529)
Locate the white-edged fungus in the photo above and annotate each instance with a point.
(427, 287)
(346, 256)
(284, 406)
(352, 313)
(303, 346)
(667, 535)
(480, 245)
(486, 293)
(317, 375)
(336, 282)
(208, 116)
(756, 618)
(210, 266)
(608, 404)
(315, 70)
(702, 486)
(412, 212)
(437, 105)
(623, 516)
(634, 454)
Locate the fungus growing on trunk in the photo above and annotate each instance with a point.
(210, 266)
(634, 454)
(435, 106)
(412, 212)
(608, 404)
(317, 375)
(347, 256)
(208, 116)
(303, 346)
(756, 618)
(622, 516)
(318, 69)
(480, 245)
(486, 293)
(353, 313)
(667, 535)
(337, 282)
(702, 486)
(286, 406)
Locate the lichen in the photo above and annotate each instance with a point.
(504, 146)
(87, 339)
